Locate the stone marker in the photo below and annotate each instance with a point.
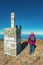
(12, 39)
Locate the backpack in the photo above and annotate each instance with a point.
(32, 38)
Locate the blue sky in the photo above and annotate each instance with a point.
(28, 14)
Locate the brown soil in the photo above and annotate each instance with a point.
(23, 58)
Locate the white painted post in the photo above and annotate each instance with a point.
(12, 19)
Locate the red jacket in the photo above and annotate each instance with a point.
(31, 42)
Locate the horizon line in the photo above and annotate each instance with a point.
(24, 32)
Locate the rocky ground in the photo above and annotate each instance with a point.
(23, 58)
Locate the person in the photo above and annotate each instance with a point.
(32, 42)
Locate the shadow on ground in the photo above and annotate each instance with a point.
(23, 46)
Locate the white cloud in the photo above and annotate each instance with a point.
(1, 32)
(27, 32)
(40, 33)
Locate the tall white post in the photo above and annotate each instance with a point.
(12, 19)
